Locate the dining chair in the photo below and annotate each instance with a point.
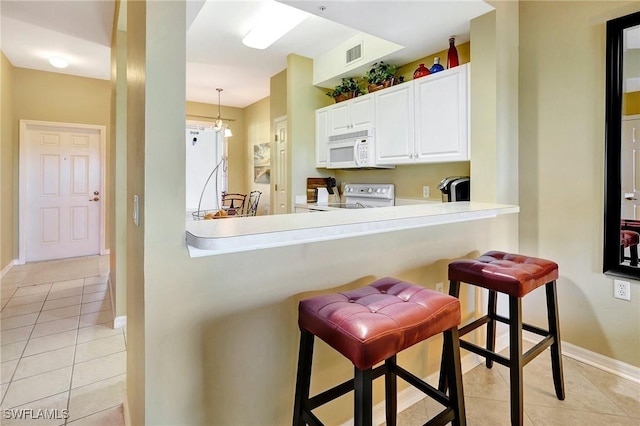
(233, 203)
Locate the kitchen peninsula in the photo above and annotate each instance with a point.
(212, 237)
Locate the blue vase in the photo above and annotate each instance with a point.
(436, 67)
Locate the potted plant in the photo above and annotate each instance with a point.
(382, 75)
(349, 88)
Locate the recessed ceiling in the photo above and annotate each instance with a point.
(32, 31)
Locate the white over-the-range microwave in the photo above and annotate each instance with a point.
(354, 150)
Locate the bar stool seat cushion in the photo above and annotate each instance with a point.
(513, 274)
(375, 322)
(629, 238)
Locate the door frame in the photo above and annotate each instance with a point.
(22, 202)
(274, 170)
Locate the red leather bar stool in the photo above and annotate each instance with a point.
(370, 325)
(516, 276)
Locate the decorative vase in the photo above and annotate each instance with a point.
(452, 54)
(436, 67)
(421, 72)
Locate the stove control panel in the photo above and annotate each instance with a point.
(370, 190)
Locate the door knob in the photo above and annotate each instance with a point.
(95, 199)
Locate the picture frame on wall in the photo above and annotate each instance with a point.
(262, 163)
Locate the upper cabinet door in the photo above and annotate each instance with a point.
(352, 115)
(362, 112)
(395, 124)
(442, 116)
(322, 136)
(339, 119)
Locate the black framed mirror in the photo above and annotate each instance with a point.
(622, 148)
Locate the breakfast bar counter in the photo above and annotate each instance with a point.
(212, 237)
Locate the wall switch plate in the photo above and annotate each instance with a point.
(439, 287)
(622, 290)
(425, 191)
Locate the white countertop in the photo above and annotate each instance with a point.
(211, 237)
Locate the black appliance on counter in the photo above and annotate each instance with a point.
(455, 188)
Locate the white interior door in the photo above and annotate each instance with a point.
(62, 189)
(630, 168)
(281, 169)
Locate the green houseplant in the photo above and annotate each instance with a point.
(349, 88)
(382, 75)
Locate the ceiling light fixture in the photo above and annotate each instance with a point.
(58, 62)
(219, 124)
(275, 22)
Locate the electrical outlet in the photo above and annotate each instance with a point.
(439, 287)
(622, 290)
(425, 191)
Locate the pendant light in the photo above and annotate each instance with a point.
(219, 124)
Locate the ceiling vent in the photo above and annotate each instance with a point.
(354, 54)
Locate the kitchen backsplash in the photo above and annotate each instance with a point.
(409, 179)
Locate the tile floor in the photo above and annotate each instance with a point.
(58, 348)
(58, 351)
(593, 397)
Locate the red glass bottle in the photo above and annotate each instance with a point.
(421, 72)
(452, 55)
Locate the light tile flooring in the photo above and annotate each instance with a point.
(58, 351)
(593, 397)
(58, 348)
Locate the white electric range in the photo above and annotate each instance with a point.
(361, 196)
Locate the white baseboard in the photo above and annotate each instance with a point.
(8, 267)
(120, 322)
(610, 365)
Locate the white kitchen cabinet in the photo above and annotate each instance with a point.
(322, 135)
(442, 116)
(352, 115)
(394, 124)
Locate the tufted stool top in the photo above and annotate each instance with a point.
(629, 238)
(513, 274)
(372, 323)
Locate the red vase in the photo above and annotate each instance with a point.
(421, 72)
(452, 55)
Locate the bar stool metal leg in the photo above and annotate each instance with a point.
(554, 330)
(516, 361)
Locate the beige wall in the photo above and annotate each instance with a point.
(118, 180)
(8, 167)
(258, 131)
(302, 101)
(48, 96)
(197, 341)
(237, 145)
(136, 161)
(408, 180)
(562, 78)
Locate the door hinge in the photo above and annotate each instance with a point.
(276, 136)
